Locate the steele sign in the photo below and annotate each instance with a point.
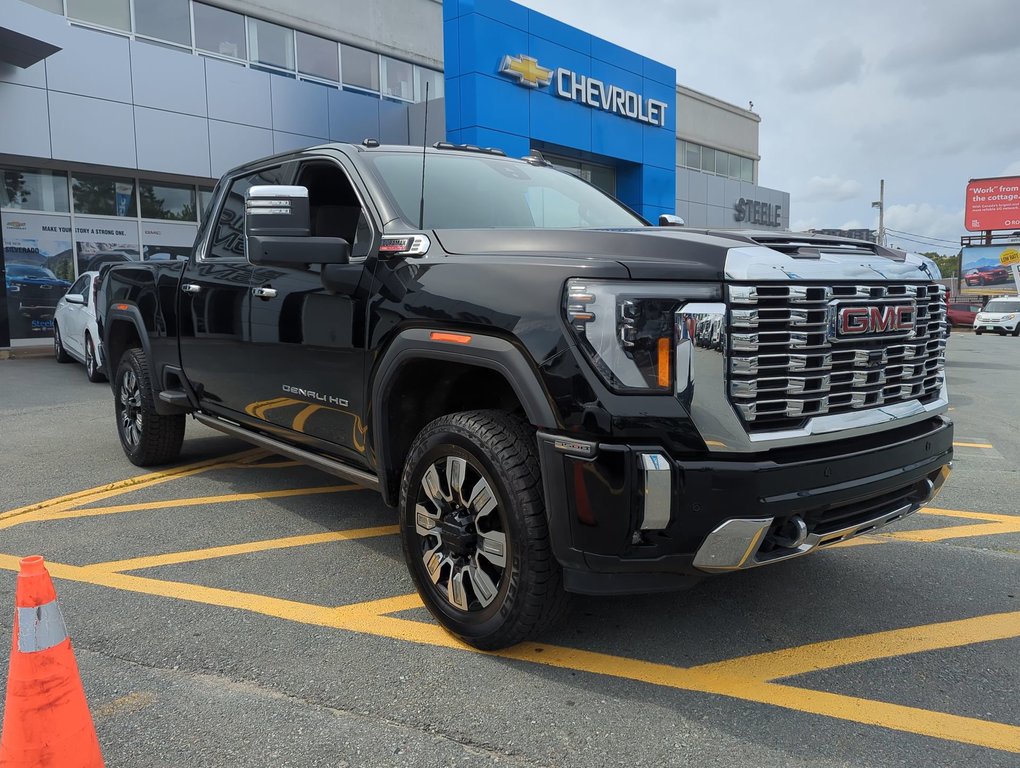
(756, 212)
(585, 90)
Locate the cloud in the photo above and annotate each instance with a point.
(835, 63)
(1013, 169)
(829, 189)
(924, 227)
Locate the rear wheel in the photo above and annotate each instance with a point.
(474, 532)
(146, 437)
(58, 347)
(92, 367)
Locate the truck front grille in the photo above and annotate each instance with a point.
(788, 362)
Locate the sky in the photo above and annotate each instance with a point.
(925, 95)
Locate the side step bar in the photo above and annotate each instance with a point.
(333, 467)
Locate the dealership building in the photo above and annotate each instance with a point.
(118, 115)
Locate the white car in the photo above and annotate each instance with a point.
(999, 315)
(75, 333)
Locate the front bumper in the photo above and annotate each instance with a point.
(999, 325)
(631, 518)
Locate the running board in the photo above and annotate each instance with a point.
(333, 467)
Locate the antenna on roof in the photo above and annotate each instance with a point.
(424, 144)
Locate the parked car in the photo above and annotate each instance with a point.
(986, 275)
(962, 313)
(75, 334)
(999, 315)
(33, 291)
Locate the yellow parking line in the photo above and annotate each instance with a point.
(191, 502)
(955, 532)
(972, 445)
(986, 516)
(14, 516)
(721, 678)
(138, 563)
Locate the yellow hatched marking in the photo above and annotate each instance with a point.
(972, 445)
(209, 553)
(738, 678)
(34, 511)
(197, 501)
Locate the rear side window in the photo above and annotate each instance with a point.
(81, 286)
(227, 240)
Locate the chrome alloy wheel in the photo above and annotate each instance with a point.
(129, 401)
(463, 543)
(90, 358)
(57, 348)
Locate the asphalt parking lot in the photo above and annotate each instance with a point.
(239, 609)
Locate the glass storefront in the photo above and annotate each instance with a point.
(58, 224)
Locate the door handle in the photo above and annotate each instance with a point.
(264, 292)
(190, 287)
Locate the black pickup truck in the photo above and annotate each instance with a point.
(556, 396)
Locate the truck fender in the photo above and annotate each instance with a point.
(124, 325)
(474, 349)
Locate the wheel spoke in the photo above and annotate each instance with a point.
(425, 522)
(492, 546)
(483, 501)
(485, 589)
(434, 563)
(456, 469)
(455, 591)
(433, 489)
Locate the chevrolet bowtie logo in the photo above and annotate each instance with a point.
(527, 71)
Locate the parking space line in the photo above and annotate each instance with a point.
(192, 502)
(961, 444)
(209, 553)
(98, 493)
(729, 678)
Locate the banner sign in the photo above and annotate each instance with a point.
(987, 268)
(993, 204)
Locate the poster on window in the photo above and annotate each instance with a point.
(166, 241)
(105, 241)
(38, 269)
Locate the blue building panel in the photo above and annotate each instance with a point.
(563, 88)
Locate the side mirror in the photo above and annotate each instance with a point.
(277, 229)
(669, 220)
(74, 298)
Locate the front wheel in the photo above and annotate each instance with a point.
(92, 368)
(58, 346)
(978, 331)
(474, 531)
(146, 437)
(1016, 331)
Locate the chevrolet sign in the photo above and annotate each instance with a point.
(586, 90)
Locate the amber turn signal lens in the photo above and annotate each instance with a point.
(664, 377)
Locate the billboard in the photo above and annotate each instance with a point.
(993, 204)
(988, 269)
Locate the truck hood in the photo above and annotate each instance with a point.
(654, 253)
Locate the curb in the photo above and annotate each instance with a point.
(25, 353)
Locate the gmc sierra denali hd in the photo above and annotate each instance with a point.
(556, 396)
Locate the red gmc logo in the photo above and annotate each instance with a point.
(889, 318)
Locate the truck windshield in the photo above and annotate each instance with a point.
(464, 192)
(1002, 305)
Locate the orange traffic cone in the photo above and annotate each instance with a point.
(46, 718)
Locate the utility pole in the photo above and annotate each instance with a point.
(880, 204)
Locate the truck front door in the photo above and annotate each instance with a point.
(308, 326)
(215, 301)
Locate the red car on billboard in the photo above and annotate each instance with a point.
(986, 275)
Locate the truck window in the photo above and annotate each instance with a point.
(227, 240)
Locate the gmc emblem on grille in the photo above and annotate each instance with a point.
(874, 320)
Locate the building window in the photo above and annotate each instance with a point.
(103, 195)
(175, 202)
(34, 190)
(708, 159)
(219, 31)
(716, 161)
(205, 198)
(115, 14)
(164, 19)
(53, 6)
(693, 155)
(397, 79)
(434, 79)
(318, 57)
(271, 44)
(359, 68)
(746, 169)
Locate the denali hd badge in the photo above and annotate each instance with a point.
(884, 320)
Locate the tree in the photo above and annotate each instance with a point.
(948, 265)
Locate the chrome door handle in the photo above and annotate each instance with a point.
(264, 293)
(191, 287)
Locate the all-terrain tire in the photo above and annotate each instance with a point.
(146, 437)
(449, 531)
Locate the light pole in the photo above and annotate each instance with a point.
(880, 204)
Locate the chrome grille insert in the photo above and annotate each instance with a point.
(785, 365)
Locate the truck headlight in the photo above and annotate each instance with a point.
(626, 328)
